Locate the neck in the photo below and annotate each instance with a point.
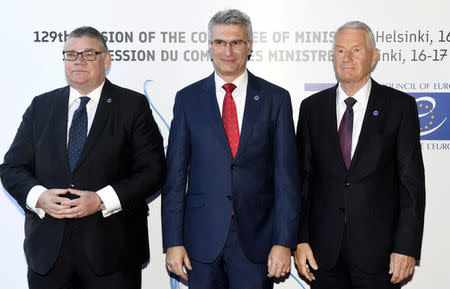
(230, 78)
(352, 87)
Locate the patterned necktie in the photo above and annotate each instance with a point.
(78, 132)
(229, 118)
(346, 130)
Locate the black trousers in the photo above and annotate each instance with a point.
(346, 275)
(71, 270)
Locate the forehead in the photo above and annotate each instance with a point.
(82, 43)
(351, 37)
(229, 31)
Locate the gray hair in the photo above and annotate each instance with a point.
(91, 32)
(359, 25)
(231, 16)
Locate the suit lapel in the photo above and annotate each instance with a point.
(60, 122)
(211, 108)
(253, 101)
(372, 120)
(331, 125)
(101, 116)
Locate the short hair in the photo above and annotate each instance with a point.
(231, 16)
(358, 25)
(91, 32)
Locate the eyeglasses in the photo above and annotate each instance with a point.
(88, 55)
(234, 44)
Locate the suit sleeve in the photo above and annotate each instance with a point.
(147, 164)
(174, 190)
(305, 160)
(286, 177)
(17, 171)
(409, 230)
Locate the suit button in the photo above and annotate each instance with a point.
(347, 183)
(228, 197)
(342, 210)
(233, 166)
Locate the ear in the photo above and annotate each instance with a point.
(210, 51)
(250, 49)
(107, 60)
(375, 55)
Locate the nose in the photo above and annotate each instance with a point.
(227, 49)
(79, 59)
(348, 56)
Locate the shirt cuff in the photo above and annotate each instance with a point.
(33, 197)
(110, 200)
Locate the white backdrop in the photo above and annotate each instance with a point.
(160, 47)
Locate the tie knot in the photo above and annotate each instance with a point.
(229, 87)
(84, 100)
(350, 101)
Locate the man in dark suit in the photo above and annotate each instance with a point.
(363, 193)
(82, 164)
(232, 143)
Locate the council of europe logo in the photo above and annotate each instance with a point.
(433, 109)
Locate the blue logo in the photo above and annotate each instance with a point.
(174, 284)
(163, 126)
(433, 109)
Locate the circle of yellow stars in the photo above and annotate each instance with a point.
(432, 117)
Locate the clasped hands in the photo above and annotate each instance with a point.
(54, 203)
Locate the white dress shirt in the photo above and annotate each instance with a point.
(239, 94)
(106, 194)
(359, 109)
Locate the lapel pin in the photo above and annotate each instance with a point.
(256, 98)
(109, 100)
(375, 112)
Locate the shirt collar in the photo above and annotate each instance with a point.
(239, 82)
(361, 95)
(94, 95)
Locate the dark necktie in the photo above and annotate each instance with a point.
(229, 118)
(346, 130)
(78, 132)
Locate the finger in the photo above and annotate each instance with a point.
(391, 266)
(69, 211)
(187, 262)
(297, 261)
(59, 200)
(75, 192)
(312, 261)
(269, 267)
(180, 272)
(278, 271)
(395, 275)
(57, 191)
(71, 203)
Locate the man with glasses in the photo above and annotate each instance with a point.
(84, 160)
(230, 205)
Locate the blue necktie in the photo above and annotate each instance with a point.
(346, 131)
(78, 132)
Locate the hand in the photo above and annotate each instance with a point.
(401, 267)
(303, 254)
(51, 202)
(279, 261)
(87, 204)
(175, 257)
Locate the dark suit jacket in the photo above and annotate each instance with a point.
(260, 184)
(381, 196)
(124, 149)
